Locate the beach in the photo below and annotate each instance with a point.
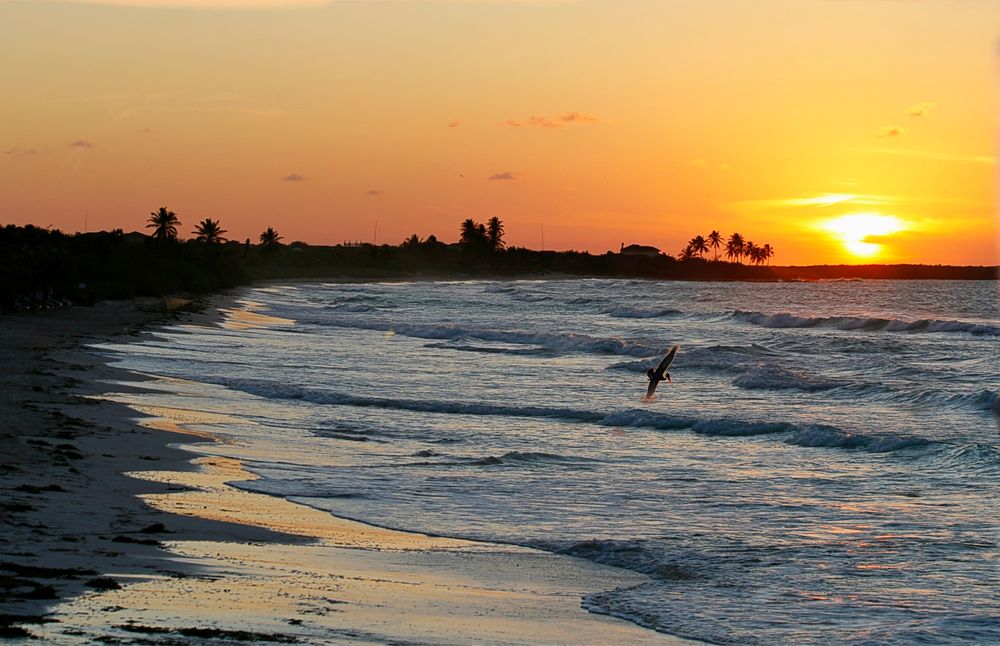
(112, 532)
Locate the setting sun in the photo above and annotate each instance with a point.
(856, 230)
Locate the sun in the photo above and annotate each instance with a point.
(855, 230)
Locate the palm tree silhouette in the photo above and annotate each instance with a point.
(768, 252)
(494, 233)
(698, 246)
(412, 242)
(468, 232)
(734, 247)
(164, 224)
(750, 250)
(269, 238)
(208, 231)
(715, 241)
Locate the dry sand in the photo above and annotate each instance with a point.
(170, 553)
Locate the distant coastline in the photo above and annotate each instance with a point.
(41, 268)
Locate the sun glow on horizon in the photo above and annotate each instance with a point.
(856, 229)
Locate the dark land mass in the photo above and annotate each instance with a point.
(45, 268)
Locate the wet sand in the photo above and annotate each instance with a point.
(170, 552)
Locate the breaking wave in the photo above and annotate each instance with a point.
(785, 320)
(809, 436)
(529, 351)
(832, 437)
(510, 458)
(769, 377)
(622, 312)
(553, 341)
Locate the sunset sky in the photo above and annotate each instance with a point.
(835, 130)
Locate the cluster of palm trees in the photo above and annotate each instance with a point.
(165, 222)
(479, 236)
(735, 247)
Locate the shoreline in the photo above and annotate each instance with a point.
(160, 552)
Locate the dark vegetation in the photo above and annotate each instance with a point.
(47, 268)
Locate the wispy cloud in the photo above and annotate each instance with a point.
(81, 143)
(533, 122)
(502, 176)
(294, 177)
(578, 117)
(890, 131)
(821, 201)
(19, 152)
(936, 156)
(921, 109)
(454, 124)
(374, 193)
(560, 121)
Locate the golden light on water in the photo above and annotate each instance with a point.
(856, 231)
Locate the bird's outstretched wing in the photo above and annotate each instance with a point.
(667, 360)
(653, 383)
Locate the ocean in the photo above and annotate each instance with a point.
(824, 468)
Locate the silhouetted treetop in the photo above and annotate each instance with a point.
(164, 224)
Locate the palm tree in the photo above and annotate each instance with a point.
(164, 223)
(412, 242)
(468, 232)
(270, 238)
(208, 231)
(688, 253)
(768, 252)
(734, 247)
(715, 241)
(698, 246)
(494, 233)
(750, 250)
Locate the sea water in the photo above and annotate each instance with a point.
(824, 468)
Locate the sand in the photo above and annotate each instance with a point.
(112, 532)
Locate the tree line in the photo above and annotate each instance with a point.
(164, 223)
(736, 247)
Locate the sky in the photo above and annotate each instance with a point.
(833, 130)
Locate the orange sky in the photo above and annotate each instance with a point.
(602, 121)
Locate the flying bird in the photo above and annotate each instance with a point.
(660, 373)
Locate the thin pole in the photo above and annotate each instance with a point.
(375, 236)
